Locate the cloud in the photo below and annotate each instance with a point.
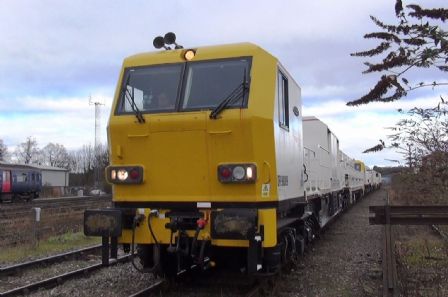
(55, 54)
(67, 121)
(55, 104)
(338, 107)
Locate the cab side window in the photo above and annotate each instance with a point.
(283, 102)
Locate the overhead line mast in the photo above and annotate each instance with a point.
(97, 139)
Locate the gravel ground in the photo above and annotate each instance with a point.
(345, 261)
(115, 281)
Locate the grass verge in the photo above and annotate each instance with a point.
(51, 246)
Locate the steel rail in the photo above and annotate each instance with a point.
(59, 279)
(159, 283)
(409, 215)
(412, 209)
(148, 290)
(18, 267)
(440, 232)
(254, 291)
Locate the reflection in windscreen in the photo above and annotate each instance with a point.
(208, 83)
(153, 88)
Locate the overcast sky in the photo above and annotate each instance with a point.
(55, 54)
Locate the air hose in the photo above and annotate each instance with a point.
(156, 253)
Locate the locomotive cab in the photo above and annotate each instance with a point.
(206, 159)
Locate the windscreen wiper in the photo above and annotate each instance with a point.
(130, 98)
(237, 93)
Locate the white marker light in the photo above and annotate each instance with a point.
(238, 172)
(122, 174)
(249, 172)
(189, 55)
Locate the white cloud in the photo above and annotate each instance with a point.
(56, 53)
(51, 104)
(67, 121)
(339, 107)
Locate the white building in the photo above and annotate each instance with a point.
(54, 180)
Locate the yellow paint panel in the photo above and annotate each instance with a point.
(180, 151)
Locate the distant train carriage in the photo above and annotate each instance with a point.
(348, 171)
(19, 182)
(359, 178)
(377, 180)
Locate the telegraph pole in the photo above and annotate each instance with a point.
(96, 172)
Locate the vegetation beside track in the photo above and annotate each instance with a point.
(50, 246)
(422, 260)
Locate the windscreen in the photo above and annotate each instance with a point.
(152, 88)
(208, 83)
(201, 85)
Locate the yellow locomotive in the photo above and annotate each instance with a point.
(206, 156)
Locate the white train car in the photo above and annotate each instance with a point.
(358, 186)
(323, 145)
(370, 180)
(376, 180)
(347, 172)
(322, 168)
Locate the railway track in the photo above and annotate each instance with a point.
(150, 289)
(59, 279)
(156, 288)
(403, 215)
(16, 268)
(39, 202)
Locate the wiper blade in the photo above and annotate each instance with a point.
(237, 93)
(130, 98)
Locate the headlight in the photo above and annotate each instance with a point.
(124, 174)
(237, 173)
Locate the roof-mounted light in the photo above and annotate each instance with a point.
(189, 54)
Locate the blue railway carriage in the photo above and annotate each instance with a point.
(19, 182)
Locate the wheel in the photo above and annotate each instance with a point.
(145, 255)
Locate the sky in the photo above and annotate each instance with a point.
(56, 54)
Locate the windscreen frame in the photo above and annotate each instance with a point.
(181, 87)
